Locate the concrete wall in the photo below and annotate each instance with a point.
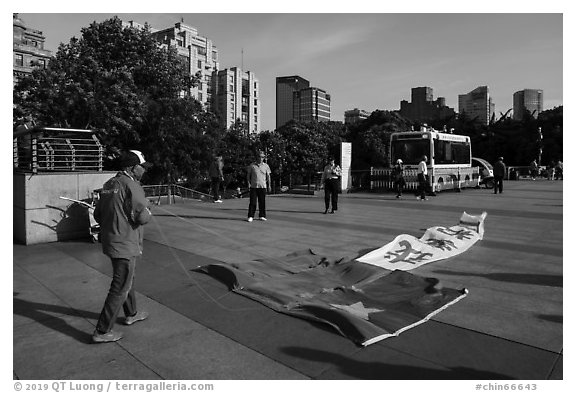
(40, 216)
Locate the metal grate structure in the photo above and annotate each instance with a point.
(46, 149)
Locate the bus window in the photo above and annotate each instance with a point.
(449, 152)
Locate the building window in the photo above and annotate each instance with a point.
(199, 63)
(255, 111)
(255, 119)
(19, 60)
(200, 97)
(255, 102)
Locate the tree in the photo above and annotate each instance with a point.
(371, 138)
(120, 83)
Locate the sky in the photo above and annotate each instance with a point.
(368, 60)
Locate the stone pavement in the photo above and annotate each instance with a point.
(508, 327)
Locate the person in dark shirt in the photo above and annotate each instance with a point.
(499, 173)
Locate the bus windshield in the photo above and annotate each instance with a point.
(410, 151)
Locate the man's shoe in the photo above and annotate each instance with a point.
(140, 316)
(325, 211)
(332, 211)
(250, 219)
(262, 218)
(218, 201)
(109, 337)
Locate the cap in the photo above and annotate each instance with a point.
(500, 158)
(134, 157)
(399, 161)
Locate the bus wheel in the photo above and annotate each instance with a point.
(489, 183)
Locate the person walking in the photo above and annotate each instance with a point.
(398, 176)
(330, 176)
(121, 211)
(534, 169)
(258, 179)
(216, 176)
(422, 178)
(499, 173)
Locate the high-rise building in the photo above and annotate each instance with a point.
(28, 49)
(477, 104)
(286, 86)
(236, 97)
(528, 101)
(423, 108)
(199, 53)
(354, 116)
(311, 104)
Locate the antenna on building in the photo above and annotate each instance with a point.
(181, 19)
(242, 62)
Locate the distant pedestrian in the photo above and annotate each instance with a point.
(121, 212)
(559, 170)
(398, 176)
(330, 181)
(534, 169)
(422, 172)
(550, 169)
(499, 173)
(216, 177)
(258, 179)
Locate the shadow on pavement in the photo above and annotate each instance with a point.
(548, 280)
(379, 370)
(44, 314)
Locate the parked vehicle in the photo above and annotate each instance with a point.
(485, 170)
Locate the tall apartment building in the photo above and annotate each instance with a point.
(286, 86)
(424, 108)
(236, 97)
(528, 100)
(199, 53)
(311, 104)
(28, 49)
(354, 116)
(477, 104)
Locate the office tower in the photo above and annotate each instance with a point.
(28, 49)
(423, 108)
(477, 104)
(529, 101)
(236, 97)
(285, 88)
(354, 116)
(311, 104)
(199, 53)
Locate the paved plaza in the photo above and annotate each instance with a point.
(508, 327)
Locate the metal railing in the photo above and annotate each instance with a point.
(43, 149)
(171, 193)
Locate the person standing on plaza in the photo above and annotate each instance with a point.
(422, 178)
(216, 176)
(258, 179)
(330, 176)
(534, 169)
(558, 170)
(499, 173)
(398, 175)
(121, 211)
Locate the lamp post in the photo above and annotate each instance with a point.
(539, 142)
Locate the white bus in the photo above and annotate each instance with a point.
(449, 157)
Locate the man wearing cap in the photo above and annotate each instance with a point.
(121, 212)
(499, 173)
(398, 173)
